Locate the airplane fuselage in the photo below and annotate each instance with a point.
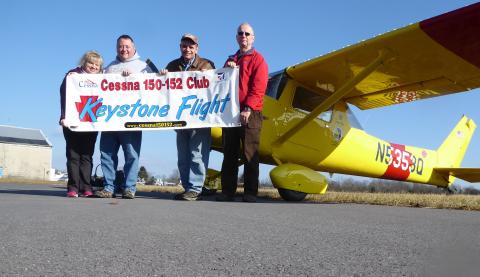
(334, 141)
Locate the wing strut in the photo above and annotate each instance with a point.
(383, 56)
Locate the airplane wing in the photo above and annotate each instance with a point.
(434, 57)
(471, 175)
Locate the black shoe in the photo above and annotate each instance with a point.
(179, 196)
(208, 192)
(188, 196)
(249, 198)
(225, 198)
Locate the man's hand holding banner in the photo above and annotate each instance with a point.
(188, 99)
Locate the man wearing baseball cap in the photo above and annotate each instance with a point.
(193, 145)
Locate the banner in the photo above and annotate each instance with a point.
(188, 99)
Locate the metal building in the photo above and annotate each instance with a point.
(24, 153)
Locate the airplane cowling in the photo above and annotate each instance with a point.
(216, 133)
(298, 178)
(216, 138)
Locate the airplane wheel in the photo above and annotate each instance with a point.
(291, 195)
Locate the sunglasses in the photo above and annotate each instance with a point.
(243, 33)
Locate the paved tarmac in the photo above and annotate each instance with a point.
(43, 233)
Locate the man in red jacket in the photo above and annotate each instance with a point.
(252, 87)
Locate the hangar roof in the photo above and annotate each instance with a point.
(17, 135)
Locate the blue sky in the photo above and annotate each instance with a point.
(41, 40)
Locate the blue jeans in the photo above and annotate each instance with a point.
(193, 148)
(110, 142)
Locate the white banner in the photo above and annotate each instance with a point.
(188, 99)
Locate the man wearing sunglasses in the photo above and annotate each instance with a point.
(193, 145)
(252, 86)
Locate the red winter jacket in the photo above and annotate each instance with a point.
(253, 78)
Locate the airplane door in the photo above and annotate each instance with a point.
(303, 101)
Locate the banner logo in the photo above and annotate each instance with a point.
(190, 99)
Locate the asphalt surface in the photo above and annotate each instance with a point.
(43, 233)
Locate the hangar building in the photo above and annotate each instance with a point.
(24, 153)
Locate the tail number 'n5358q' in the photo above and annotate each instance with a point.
(400, 162)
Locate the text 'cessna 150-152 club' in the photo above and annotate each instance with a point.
(308, 126)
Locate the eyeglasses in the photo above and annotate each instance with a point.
(247, 34)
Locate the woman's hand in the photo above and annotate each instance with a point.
(62, 122)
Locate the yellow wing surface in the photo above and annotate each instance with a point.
(434, 57)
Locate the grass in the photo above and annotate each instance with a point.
(437, 201)
(163, 189)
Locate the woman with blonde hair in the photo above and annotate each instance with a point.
(79, 145)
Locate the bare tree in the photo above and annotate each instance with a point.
(174, 177)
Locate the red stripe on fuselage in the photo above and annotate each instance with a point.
(399, 158)
(458, 31)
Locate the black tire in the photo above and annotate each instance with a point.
(291, 195)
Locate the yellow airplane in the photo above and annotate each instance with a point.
(309, 126)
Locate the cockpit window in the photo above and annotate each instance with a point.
(306, 100)
(353, 119)
(276, 84)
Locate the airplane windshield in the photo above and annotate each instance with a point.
(353, 119)
(276, 83)
(304, 99)
(307, 101)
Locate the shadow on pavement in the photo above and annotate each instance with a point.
(155, 195)
(41, 192)
(60, 191)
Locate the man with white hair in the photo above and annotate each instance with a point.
(252, 86)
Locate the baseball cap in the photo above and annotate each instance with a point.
(190, 37)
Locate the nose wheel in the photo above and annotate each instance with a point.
(291, 195)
